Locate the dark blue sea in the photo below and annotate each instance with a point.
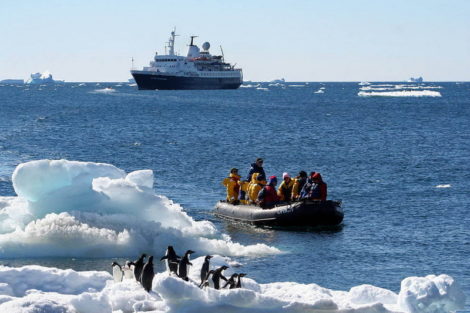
(400, 164)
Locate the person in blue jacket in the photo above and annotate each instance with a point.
(257, 167)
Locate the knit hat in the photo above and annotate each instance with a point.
(285, 174)
(272, 180)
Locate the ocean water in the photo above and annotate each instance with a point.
(400, 162)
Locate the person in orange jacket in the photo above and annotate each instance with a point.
(257, 183)
(233, 186)
(285, 188)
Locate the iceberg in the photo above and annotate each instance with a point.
(42, 78)
(76, 209)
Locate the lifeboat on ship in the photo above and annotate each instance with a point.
(298, 213)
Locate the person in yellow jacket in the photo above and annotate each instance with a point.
(299, 182)
(232, 185)
(244, 187)
(285, 188)
(257, 183)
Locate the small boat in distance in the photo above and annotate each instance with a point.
(298, 213)
(198, 70)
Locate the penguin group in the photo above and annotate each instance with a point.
(139, 270)
(143, 272)
(179, 266)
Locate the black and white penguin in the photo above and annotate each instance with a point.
(117, 272)
(147, 275)
(183, 266)
(138, 266)
(205, 268)
(239, 281)
(231, 282)
(205, 283)
(128, 270)
(217, 275)
(172, 260)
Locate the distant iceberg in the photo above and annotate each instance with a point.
(415, 80)
(42, 78)
(282, 80)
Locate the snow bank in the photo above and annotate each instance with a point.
(42, 289)
(74, 209)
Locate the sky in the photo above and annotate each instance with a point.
(316, 40)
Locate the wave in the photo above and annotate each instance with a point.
(38, 289)
(262, 88)
(402, 93)
(78, 209)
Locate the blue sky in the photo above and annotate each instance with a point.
(297, 40)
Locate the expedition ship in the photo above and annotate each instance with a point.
(197, 70)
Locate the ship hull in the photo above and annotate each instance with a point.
(150, 81)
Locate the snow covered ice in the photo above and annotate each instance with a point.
(69, 208)
(40, 289)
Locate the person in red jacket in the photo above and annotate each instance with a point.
(267, 197)
(316, 188)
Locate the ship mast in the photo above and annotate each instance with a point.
(171, 42)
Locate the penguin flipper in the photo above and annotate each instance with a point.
(164, 257)
(223, 277)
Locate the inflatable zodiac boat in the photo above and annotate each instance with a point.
(298, 213)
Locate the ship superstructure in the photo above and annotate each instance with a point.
(197, 70)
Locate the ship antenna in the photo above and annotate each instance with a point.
(222, 50)
(132, 61)
(171, 42)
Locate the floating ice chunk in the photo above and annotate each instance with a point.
(404, 93)
(69, 208)
(430, 294)
(444, 186)
(105, 90)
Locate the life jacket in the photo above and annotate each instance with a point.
(270, 195)
(285, 190)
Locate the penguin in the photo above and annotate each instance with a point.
(183, 266)
(138, 265)
(239, 282)
(217, 275)
(117, 272)
(205, 268)
(147, 275)
(172, 260)
(231, 281)
(205, 283)
(128, 270)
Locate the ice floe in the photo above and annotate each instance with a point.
(41, 289)
(76, 209)
(402, 93)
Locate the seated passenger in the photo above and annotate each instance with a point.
(315, 188)
(257, 183)
(243, 195)
(299, 182)
(267, 198)
(285, 189)
(232, 185)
